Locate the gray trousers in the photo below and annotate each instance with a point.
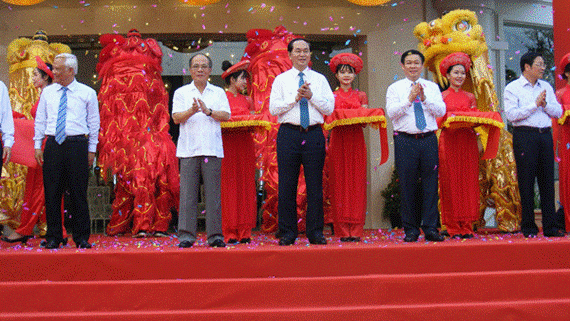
(191, 168)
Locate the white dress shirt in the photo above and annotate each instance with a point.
(6, 119)
(200, 135)
(520, 104)
(284, 90)
(401, 110)
(82, 117)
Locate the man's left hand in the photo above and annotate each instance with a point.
(6, 153)
(90, 158)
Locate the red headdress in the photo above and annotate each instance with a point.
(563, 62)
(456, 58)
(43, 67)
(346, 59)
(242, 65)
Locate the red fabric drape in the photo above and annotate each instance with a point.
(373, 116)
(491, 121)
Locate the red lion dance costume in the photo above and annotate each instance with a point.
(134, 141)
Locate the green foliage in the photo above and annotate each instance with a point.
(391, 197)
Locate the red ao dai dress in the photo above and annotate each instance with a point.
(347, 157)
(34, 210)
(239, 202)
(563, 96)
(459, 168)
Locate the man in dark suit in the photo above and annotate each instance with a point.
(300, 97)
(413, 104)
(68, 115)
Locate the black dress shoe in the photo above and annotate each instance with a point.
(411, 238)
(83, 245)
(467, 236)
(434, 237)
(185, 244)
(529, 235)
(346, 239)
(284, 241)
(52, 244)
(245, 240)
(23, 239)
(218, 243)
(44, 242)
(355, 239)
(457, 236)
(555, 233)
(232, 241)
(319, 240)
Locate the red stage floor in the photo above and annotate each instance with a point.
(493, 276)
(372, 238)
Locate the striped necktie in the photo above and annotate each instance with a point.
(304, 105)
(61, 117)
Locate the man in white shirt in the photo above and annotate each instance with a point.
(6, 125)
(68, 114)
(199, 107)
(530, 105)
(413, 104)
(300, 97)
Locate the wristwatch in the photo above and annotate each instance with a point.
(210, 114)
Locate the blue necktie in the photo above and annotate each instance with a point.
(304, 105)
(61, 116)
(419, 113)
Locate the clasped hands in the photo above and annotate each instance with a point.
(541, 99)
(199, 105)
(417, 90)
(304, 92)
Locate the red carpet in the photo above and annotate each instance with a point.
(493, 276)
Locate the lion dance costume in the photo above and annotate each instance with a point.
(21, 56)
(459, 31)
(134, 142)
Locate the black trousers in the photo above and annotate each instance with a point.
(417, 159)
(534, 156)
(296, 148)
(66, 167)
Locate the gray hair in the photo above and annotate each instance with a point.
(70, 61)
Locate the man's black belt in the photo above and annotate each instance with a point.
(301, 129)
(533, 129)
(74, 138)
(415, 136)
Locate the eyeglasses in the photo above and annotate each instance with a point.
(299, 51)
(196, 67)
